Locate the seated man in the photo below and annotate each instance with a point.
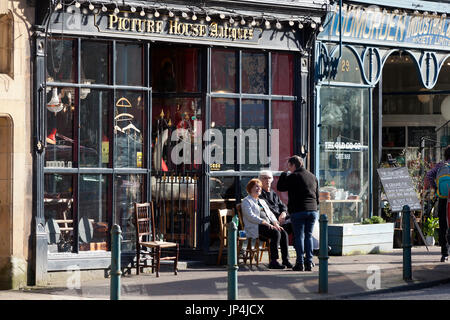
(278, 208)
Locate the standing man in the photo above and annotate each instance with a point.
(278, 208)
(430, 181)
(303, 191)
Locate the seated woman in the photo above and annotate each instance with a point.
(260, 222)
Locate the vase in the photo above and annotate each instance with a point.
(429, 240)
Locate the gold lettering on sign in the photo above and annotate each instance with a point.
(176, 28)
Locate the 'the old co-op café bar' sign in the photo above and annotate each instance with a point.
(374, 25)
(172, 28)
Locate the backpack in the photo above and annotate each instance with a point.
(443, 181)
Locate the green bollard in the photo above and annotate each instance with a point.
(232, 259)
(407, 273)
(116, 237)
(323, 254)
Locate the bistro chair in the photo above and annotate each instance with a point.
(146, 246)
(254, 248)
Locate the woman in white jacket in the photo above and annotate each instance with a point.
(260, 222)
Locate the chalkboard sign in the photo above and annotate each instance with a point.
(399, 189)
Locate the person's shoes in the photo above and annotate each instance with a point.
(275, 265)
(298, 267)
(444, 258)
(287, 264)
(308, 266)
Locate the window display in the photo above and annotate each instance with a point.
(129, 130)
(59, 212)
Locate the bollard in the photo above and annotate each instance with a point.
(232, 259)
(406, 243)
(323, 254)
(116, 237)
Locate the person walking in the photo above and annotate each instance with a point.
(430, 181)
(260, 222)
(303, 201)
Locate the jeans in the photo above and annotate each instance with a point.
(302, 225)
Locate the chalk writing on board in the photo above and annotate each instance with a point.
(399, 188)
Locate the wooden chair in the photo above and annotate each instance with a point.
(223, 231)
(254, 248)
(145, 227)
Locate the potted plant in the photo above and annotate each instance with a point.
(429, 229)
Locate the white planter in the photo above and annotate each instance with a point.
(351, 239)
(429, 240)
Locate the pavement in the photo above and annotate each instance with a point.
(348, 277)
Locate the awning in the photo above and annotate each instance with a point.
(4, 6)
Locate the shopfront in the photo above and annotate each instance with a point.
(382, 86)
(113, 85)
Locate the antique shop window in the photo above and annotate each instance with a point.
(95, 126)
(176, 69)
(344, 153)
(177, 120)
(7, 44)
(283, 120)
(283, 74)
(224, 71)
(61, 142)
(129, 188)
(61, 60)
(94, 214)
(59, 212)
(95, 61)
(254, 72)
(129, 130)
(129, 64)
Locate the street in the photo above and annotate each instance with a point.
(438, 292)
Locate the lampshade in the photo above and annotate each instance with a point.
(445, 108)
(54, 105)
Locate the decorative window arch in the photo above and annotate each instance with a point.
(7, 44)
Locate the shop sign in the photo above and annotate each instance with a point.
(373, 24)
(343, 146)
(113, 23)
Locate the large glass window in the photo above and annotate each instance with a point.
(344, 153)
(129, 64)
(59, 212)
(129, 130)
(61, 60)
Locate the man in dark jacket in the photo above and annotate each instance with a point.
(303, 191)
(278, 208)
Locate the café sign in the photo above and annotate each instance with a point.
(176, 28)
(372, 24)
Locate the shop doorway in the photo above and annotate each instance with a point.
(5, 188)
(414, 121)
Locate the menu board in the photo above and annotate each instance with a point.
(399, 188)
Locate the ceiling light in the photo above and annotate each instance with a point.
(291, 23)
(253, 22)
(243, 21)
(300, 25)
(184, 15)
(222, 16)
(313, 25)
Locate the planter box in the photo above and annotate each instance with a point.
(351, 239)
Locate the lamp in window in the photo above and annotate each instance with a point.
(445, 108)
(54, 105)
